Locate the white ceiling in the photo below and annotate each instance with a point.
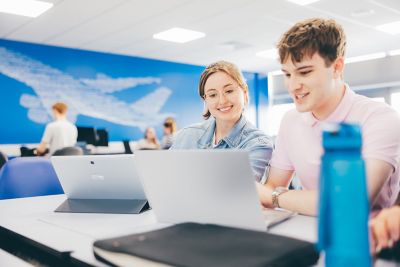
(126, 27)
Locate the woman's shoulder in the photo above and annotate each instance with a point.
(254, 134)
(188, 136)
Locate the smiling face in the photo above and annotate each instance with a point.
(314, 86)
(224, 98)
(150, 134)
(312, 56)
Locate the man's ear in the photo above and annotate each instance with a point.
(338, 67)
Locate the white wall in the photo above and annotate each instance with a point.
(373, 78)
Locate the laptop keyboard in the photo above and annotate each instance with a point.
(275, 216)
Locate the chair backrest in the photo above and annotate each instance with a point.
(28, 177)
(69, 151)
(27, 152)
(3, 159)
(127, 147)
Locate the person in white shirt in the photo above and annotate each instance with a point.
(59, 133)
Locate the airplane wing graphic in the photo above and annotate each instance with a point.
(152, 103)
(107, 84)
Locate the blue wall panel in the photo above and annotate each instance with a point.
(121, 93)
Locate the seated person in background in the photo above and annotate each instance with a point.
(312, 58)
(149, 141)
(225, 95)
(59, 133)
(169, 133)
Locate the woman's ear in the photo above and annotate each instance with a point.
(246, 96)
(205, 109)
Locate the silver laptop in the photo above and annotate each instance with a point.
(204, 186)
(100, 184)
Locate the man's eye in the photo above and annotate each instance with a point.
(305, 72)
(287, 75)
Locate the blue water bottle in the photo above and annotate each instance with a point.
(343, 200)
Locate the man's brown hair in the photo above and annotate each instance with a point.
(324, 36)
(60, 107)
(229, 68)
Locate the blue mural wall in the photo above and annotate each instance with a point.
(120, 93)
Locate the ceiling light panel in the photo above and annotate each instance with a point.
(179, 35)
(27, 8)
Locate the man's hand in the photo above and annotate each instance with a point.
(265, 195)
(385, 229)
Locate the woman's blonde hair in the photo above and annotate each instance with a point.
(171, 124)
(229, 68)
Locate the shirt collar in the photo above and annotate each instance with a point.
(338, 115)
(232, 139)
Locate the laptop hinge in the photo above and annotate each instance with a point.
(119, 206)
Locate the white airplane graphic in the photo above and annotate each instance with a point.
(89, 97)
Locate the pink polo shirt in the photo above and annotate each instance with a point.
(299, 143)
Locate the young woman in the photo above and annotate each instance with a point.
(225, 95)
(149, 141)
(169, 133)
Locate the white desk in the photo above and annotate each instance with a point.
(10, 260)
(74, 234)
(68, 233)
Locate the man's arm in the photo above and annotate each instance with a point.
(378, 172)
(41, 149)
(301, 201)
(305, 201)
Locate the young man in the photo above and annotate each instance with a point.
(312, 58)
(60, 133)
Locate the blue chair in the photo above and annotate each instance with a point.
(28, 177)
(3, 159)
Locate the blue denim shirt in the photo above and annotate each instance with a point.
(242, 136)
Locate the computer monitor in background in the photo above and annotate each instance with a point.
(87, 134)
(102, 137)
